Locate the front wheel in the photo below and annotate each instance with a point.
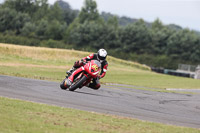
(78, 83)
(62, 86)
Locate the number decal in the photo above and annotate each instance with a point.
(95, 67)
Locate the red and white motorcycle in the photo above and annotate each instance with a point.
(82, 76)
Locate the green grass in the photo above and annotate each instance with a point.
(153, 80)
(27, 117)
(53, 74)
(51, 64)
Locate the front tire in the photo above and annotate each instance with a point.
(62, 85)
(78, 83)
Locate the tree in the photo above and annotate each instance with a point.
(55, 30)
(20, 21)
(89, 12)
(195, 55)
(29, 30)
(42, 11)
(183, 45)
(7, 18)
(12, 20)
(55, 13)
(159, 36)
(23, 6)
(68, 14)
(94, 36)
(113, 22)
(41, 28)
(135, 37)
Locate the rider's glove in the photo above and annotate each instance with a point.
(83, 61)
(99, 76)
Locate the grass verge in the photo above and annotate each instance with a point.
(51, 64)
(28, 117)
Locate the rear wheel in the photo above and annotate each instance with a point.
(78, 83)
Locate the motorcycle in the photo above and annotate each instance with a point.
(82, 76)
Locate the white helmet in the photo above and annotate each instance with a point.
(102, 54)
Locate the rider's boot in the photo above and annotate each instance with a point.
(93, 86)
(69, 72)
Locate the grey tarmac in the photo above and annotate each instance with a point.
(163, 107)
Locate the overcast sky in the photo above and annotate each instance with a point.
(185, 13)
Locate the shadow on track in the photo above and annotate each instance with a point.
(92, 94)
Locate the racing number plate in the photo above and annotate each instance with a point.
(95, 67)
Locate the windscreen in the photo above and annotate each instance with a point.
(98, 63)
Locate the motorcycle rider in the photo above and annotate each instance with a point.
(101, 57)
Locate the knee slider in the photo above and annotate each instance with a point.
(96, 87)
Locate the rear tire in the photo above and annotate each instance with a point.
(73, 87)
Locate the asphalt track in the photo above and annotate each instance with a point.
(169, 108)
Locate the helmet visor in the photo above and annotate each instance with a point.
(101, 58)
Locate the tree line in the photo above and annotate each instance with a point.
(36, 23)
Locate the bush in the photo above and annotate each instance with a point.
(54, 44)
(19, 40)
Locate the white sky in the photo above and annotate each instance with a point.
(185, 13)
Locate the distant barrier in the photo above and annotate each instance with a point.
(185, 67)
(197, 72)
(171, 72)
(190, 71)
(175, 73)
(158, 70)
